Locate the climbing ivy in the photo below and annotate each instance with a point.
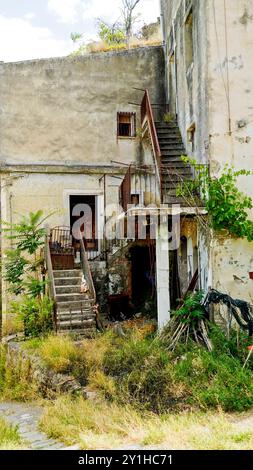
(226, 205)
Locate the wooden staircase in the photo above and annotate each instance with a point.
(74, 312)
(173, 170)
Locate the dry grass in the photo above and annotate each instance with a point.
(100, 425)
(58, 353)
(9, 437)
(101, 46)
(12, 325)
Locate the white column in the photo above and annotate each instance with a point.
(190, 258)
(162, 275)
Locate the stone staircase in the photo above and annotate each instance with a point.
(74, 310)
(174, 170)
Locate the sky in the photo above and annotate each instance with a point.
(32, 29)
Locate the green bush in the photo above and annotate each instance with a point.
(36, 315)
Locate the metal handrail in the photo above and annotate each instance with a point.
(50, 274)
(148, 116)
(86, 270)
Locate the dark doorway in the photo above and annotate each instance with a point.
(143, 275)
(86, 218)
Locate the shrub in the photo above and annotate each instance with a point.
(36, 314)
(23, 272)
(147, 375)
(215, 380)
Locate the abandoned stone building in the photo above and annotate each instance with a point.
(208, 52)
(90, 131)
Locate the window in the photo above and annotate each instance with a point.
(188, 38)
(135, 199)
(126, 124)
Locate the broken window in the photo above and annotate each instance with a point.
(126, 124)
(188, 38)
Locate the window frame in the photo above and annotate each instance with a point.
(132, 117)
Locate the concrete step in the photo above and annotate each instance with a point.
(68, 289)
(170, 191)
(171, 135)
(172, 153)
(174, 181)
(85, 315)
(171, 158)
(176, 177)
(69, 281)
(71, 297)
(76, 324)
(177, 163)
(80, 332)
(168, 130)
(174, 200)
(166, 125)
(66, 306)
(172, 146)
(67, 273)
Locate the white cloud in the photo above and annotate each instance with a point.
(110, 10)
(29, 16)
(70, 11)
(19, 40)
(66, 11)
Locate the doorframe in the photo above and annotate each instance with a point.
(99, 198)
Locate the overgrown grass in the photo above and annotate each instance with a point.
(103, 425)
(142, 372)
(15, 378)
(139, 370)
(9, 436)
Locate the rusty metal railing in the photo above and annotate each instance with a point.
(147, 118)
(87, 271)
(50, 274)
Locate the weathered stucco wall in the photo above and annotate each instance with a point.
(217, 95)
(65, 110)
(190, 84)
(58, 128)
(230, 79)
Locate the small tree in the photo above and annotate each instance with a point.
(111, 34)
(128, 7)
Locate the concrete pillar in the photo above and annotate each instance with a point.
(162, 275)
(190, 258)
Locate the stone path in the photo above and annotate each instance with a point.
(26, 417)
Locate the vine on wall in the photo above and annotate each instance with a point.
(227, 206)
